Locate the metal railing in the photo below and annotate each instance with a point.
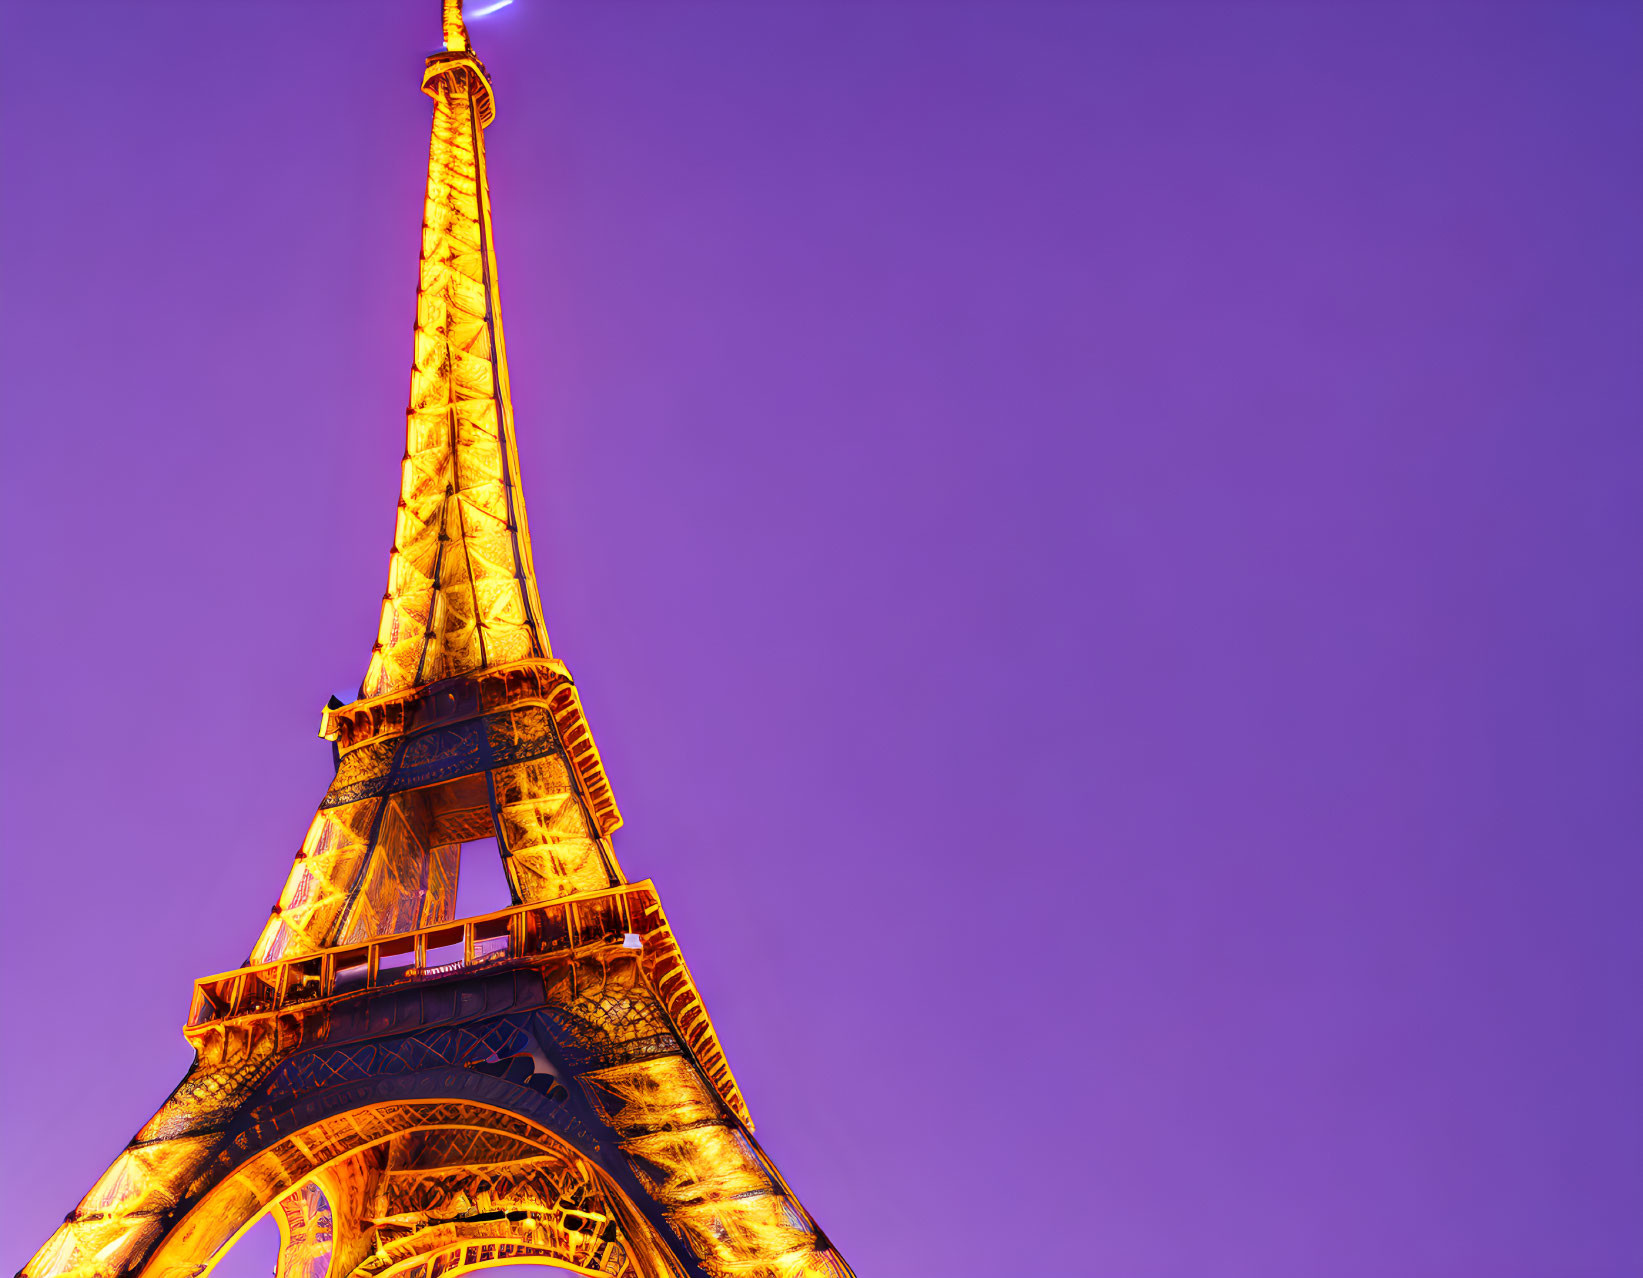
(430, 953)
(627, 919)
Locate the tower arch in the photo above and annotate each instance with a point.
(427, 1188)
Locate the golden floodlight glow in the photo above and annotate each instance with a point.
(409, 1094)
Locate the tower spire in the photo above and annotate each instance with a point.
(461, 592)
(456, 33)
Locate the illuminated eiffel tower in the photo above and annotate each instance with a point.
(412, 1095)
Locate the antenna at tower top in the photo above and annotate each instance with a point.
(456, 34)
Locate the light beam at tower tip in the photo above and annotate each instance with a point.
(490, 8)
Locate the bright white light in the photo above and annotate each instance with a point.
(490, 8)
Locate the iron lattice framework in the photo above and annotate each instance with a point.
(412, 1095)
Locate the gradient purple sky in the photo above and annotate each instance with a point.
(1100, 543)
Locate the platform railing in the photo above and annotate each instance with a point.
(625, 921)
(619, 917)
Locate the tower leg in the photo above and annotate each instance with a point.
(130, 1206)
(306, 1229)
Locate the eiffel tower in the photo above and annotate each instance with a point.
(413, 1095)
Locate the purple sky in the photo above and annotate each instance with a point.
(1100, 543)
